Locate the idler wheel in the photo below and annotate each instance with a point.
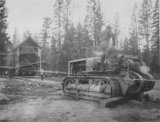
(66, 81)
(137, 85)
(148, 84)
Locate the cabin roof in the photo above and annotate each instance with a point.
(18, 44)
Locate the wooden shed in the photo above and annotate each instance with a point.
(27, 56)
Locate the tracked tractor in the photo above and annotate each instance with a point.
(124, 77)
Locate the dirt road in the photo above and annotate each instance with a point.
(44, 102)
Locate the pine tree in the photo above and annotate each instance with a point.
(67, 13)
(63, 25)
(94, 20)
(145, 17)
(58, 20)
(155, 62)
(88, 41)
(116, 29)
(133, 40)
(67, 52)
(125, 46)
(53, 54)
(66, 22)
(80, 47)
(45, 35)
(3, 26)
(15, 36)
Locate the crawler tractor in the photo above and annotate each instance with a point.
(123, 77)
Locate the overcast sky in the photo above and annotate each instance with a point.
(27, 15)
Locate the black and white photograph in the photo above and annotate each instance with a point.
(79, 61)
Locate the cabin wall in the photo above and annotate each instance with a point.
(27, 56)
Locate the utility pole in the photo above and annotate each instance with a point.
(40, 59)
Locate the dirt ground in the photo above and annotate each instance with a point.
(44, 102)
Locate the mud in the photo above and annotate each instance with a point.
(44, 102)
